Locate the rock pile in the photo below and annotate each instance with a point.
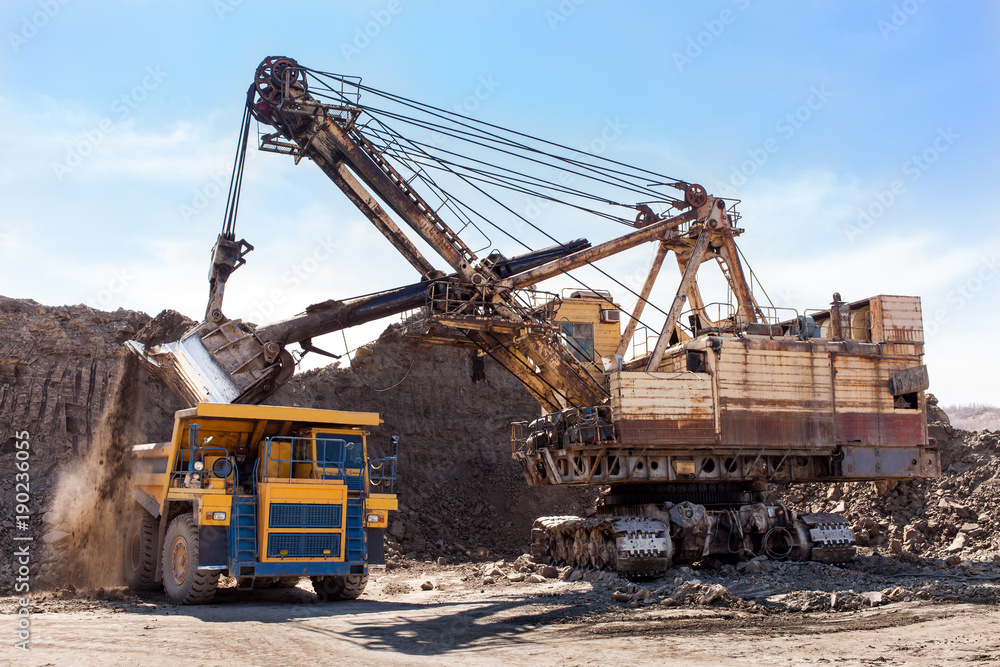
(524, 568)
(950, 517)
(687, 593)
(808, 587)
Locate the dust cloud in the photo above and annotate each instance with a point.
(92, 500)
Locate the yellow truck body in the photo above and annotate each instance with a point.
(269, 492)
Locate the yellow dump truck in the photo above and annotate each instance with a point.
(263, 494)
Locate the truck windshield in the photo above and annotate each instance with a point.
(335, 449)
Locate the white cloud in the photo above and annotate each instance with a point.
(64, 142)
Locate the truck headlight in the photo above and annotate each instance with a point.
(198, 465)
(218, 516)
(374, 518)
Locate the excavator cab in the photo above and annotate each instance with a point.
(589, 326)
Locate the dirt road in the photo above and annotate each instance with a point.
(462, 622)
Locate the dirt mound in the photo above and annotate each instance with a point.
(975, 417)
(58, 366)
(460, 493)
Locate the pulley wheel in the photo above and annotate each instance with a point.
(695, 195)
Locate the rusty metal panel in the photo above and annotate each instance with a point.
(862, 384)
(858, 427)
(661, 395)
(775, 394)
(881, 429)
(663, 408)
(914, 350)
(866, 412)
(902, 429)
(778, 431)
(793, 380)
(638, 432)
(889, 463)
(896, 319)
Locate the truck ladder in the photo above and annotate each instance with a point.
(244, 532)
(357, 543)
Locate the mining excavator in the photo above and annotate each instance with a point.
(682, 425)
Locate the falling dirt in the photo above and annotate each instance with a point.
(92, 496)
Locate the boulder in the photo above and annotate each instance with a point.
(549, 571)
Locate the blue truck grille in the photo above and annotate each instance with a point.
(288, 515)
(303, 545)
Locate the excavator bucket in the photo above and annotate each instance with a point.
(217, 363)
(188, 368)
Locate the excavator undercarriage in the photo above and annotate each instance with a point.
(646, 543)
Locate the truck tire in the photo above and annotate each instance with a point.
(345, 587)
(182, 581)
(140, 551)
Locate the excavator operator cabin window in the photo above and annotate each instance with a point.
(579, 338)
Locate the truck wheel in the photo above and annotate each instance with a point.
(345, 587)
(140, 551)
(182, 580)
(354, 586)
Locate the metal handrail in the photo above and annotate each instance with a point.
(383, 470)
(647, 337)
(727, 314)
(531, 304)
(341, 465)
(519, 438)
(191, 478)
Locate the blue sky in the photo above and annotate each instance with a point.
(861, 137)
